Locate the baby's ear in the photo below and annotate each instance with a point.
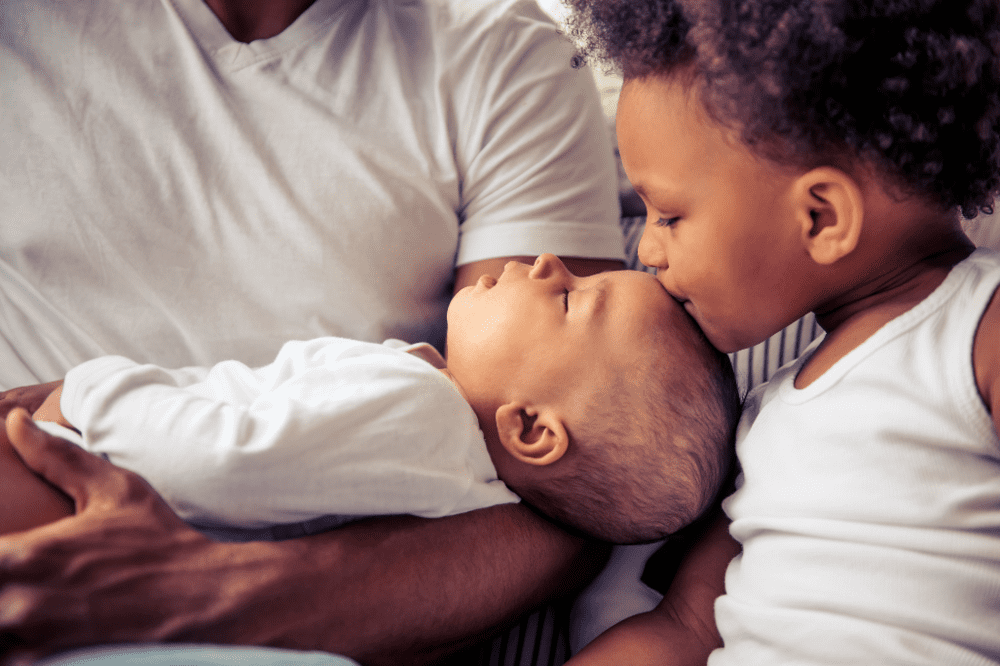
(532, 436)
(830, 210)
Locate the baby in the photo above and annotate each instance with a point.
(596, 399)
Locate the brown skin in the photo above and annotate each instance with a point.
(409, 590)
(247, 20)
(26, 397)
(986, 358)
(904, 250)
(26, 501)
(681, 629)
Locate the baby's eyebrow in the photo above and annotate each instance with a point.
(600, 299)
(641, 190)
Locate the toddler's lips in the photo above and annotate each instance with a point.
(487, 281)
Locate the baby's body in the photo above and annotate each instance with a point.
(337, 429)
(332, 430)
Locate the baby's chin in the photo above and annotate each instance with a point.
(461, 296)
(461, 300)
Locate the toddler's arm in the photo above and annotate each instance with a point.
(681, 629)
(986, 358)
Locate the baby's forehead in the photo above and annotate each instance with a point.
(642, 307)
(638, 279)
(657, 321)
(634, 284)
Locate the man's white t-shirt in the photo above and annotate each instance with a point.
(177, 197)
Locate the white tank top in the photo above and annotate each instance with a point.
(869, 510)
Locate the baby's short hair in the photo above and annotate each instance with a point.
(656, 447)
(911, 85)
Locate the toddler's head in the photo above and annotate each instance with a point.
(911, 84)
(830, 117)
(602, 403)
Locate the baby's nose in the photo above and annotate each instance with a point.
(545, 266)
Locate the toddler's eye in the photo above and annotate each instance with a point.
(667, 221)
(566, 300)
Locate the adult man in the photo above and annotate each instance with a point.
(315, 167)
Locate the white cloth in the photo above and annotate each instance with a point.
(616, 594)
(869, 505)
(172, 654)
(179, 198)
(333, 427)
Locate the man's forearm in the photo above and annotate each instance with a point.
(403, 590)
(389, 590)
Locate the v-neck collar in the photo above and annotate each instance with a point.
(230, 55)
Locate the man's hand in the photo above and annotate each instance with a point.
(56, 582)
(29, 397)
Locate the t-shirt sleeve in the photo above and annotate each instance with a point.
(536, 158)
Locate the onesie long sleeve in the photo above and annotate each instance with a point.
(331, 427)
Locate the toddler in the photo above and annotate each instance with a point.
(599, 401)
(806, 155)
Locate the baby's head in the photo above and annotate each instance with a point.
(830, 117)
(602, 403)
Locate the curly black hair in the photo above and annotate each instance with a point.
(913, 85)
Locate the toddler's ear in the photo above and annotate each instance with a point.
(532, 436)
(830, 210)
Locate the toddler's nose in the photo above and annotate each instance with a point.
(651, 250)
(545, 266)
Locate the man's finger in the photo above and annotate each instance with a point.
(61, 463)
(25, 636)
(12, 655)
(30, 397)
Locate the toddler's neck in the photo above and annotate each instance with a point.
(888, 282)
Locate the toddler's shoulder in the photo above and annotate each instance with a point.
(986, 348)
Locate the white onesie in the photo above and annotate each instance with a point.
(333, 429)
